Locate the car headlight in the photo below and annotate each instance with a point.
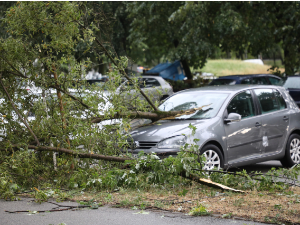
(173, 142)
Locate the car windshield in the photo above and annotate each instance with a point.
(292, 82)
(208, 104)
(223, 82)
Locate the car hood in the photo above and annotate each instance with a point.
(167, 128)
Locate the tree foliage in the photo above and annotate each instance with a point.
(191, 30)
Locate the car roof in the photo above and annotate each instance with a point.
(146, 76)
(229, 88)
(236, 77)
(294, 76)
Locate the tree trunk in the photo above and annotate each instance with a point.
(228, 54)
(187, 70)
(289, 69)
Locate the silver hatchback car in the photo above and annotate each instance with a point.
(235, 126)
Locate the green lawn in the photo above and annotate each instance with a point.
(223, 67)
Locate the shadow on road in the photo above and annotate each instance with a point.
(259, 167)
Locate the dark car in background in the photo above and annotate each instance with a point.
(292, 85)
(263, 79)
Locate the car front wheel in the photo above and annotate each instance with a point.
(292, 151)
(214, 157)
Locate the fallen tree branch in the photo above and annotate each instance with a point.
(124, 74)
(18, 113)
(71, 96)
(123, 159)
(154, 116)
(78, 154)
(209, 182)
(19, 74)
(253, 175)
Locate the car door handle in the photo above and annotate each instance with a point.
(285, 118)
(257, 124)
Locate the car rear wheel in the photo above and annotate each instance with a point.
(292, 151)
(214, 157)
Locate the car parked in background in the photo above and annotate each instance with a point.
(264, 79)
(155, 87)
(235, 126)
(292, 84)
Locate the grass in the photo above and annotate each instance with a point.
(270, 62)
(223, 67)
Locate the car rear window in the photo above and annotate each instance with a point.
(221, 81)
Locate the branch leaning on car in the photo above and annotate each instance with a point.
(154, 116)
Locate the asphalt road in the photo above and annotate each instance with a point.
(103, 215)
(107, 215)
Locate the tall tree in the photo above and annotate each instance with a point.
(190, 30)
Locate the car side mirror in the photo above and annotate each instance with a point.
(233, 117)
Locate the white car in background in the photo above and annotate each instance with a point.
(155, 87)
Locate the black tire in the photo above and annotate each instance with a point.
(215, 153)
(292, 151)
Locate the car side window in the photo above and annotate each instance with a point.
(267, 100)
(150, 82)
(280, 99)
(259, 80)
(246, 81)
(273, 80)
(242, 104)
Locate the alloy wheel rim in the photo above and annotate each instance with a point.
(295, 150)
(212, 160)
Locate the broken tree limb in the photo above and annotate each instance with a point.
(18, 113)
(123, 159)
(154, 116)
(124, 74)
(79, 154)
(18, 72)
(70, 95)
(209, 182)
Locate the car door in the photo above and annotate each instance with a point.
(244, 138)
(275, 119)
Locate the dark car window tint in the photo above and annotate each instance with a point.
(282, 104)
(267, 99)
(223, 82)
(246, 81)
(242, 104)
(259, 80)
(145, 82)
(273, 80)
(150, 82)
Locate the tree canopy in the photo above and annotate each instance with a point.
(191, 30)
